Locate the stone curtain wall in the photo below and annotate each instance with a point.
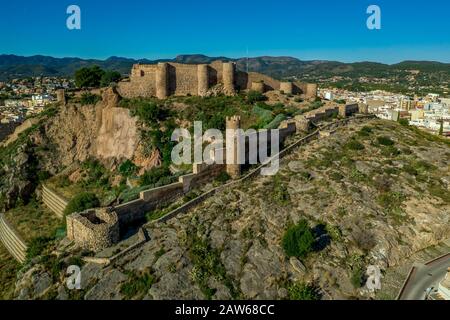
(312, 136)
(53, 201)
(183, 80)
(165, 79)
(95, 229)
(142, 82)
(135, 210)
(12, 241)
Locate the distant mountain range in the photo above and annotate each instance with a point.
(12, 66)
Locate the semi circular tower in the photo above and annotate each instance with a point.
(286, 87)
(162, 80)
(228, 77)
(258, 86)
(203, 79)
(232, 166)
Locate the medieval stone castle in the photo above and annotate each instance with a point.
(166, 79)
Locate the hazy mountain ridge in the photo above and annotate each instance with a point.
(13, 66)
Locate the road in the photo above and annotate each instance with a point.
(425, 276)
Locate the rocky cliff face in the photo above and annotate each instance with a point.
(69, 134)
(373, 193)
(103, 131)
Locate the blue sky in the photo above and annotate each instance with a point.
(320, 29)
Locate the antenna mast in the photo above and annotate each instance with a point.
(247, 59)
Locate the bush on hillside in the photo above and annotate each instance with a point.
(302, 291)
(385, 141)
(88, 77)
(89, 98)
(81, 202)
(153, 175)
(255, 96)
(298, 240)
(127, 168)
(110, 77)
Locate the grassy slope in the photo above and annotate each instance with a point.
(8, 270)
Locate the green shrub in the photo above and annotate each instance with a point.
(263, 113)
(275, 123)
(336, 176)
(403, 122)
(223, 177)
(365, 131)
(109, 77)
(137, 285)
(410, 170)
(127, 168)
(37, 246)
(43, 175)
(391, 201)
(89, 98)
(354, 145)
(207, 263)
(334, 232)
(88, 77)
(62, 181)
(190, 196)
(81, 202)
(302, 291)
(280, 191)
(255, 96)
(53, 265)
(438, 191)
(358, 277)
(298, 240)
(390, 151)
(385, 141)
(153, 175)
(97, 174)
(149, 111)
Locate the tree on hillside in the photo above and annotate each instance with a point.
(109, 77)
(88, 77)
(298, 240)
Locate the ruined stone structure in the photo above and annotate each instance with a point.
(233, 168)
(363, 108)
(348, 109)
(167, 78)
(94, 229)
(61, 96)
(444, 286)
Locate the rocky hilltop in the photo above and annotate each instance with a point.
(371, 193)
(104, 131)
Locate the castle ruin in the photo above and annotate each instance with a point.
(176, 79)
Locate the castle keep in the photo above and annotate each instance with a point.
(166, 79)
